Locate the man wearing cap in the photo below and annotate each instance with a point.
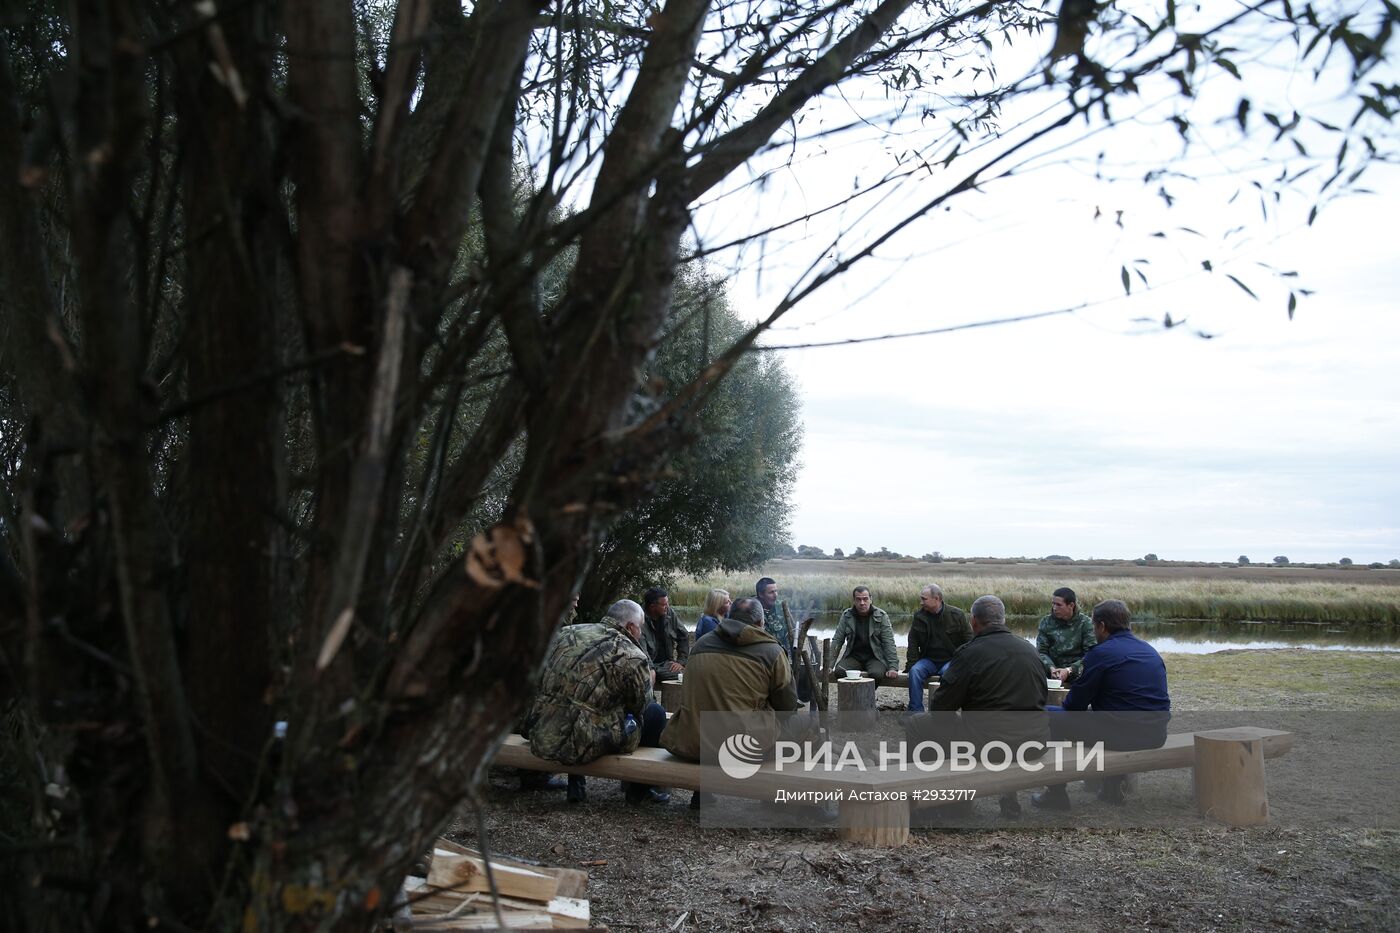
(1064, 636)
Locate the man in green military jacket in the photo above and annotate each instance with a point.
(777, 618)
(665, 640)
(867, 636)
(1064, 637)
(594, 697)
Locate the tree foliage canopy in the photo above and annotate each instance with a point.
(327, 331)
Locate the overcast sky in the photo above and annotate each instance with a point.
(1093, 434)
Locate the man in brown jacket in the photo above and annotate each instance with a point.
(737, 668)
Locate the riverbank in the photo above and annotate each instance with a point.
(1362, 597)
(656, 869)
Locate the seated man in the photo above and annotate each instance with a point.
(1123, 675)
(595, 690)
(665, 640)
(737, 668)
(997, 671)
(871, 639)
(1064, 636)
(937, 632)
(777, 618)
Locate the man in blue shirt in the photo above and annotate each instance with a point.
(1125, 684)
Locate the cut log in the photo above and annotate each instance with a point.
(876, 823)
(671, 695)
(855, 699)
(1230, 784)
(462, 872)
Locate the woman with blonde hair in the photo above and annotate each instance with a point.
(716, 608)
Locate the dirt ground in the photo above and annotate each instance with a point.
(656, 868)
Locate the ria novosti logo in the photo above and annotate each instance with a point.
(740, 756)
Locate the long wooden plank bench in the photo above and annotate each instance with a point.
(875, 803)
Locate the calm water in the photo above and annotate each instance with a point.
(1186, 636)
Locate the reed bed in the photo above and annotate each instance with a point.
(1219, 600)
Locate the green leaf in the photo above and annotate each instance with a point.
(1230, 67)
(1292, 304)
(1127, 282)
(1243, 287)
(1205, 264)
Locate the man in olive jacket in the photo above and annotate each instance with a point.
(1064, 637)
(870, 635)
(664, 639)
(935, 635)
(736, 668)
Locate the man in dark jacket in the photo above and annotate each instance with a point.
(937, 632)
(664, 639)
(1064, 636)
(996, 672)
(1124, 683)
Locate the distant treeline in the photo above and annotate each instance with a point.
(809, 552)
(1220, 600)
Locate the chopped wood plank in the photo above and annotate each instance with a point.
(463, 872)
(572, 881)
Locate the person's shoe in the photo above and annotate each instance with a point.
(578, 789)
(1113, 791)
(1010, 807)
(646, 793)
(539, 780)
(1053, 798)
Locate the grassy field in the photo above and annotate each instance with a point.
(1285, 680)
(1272, 594)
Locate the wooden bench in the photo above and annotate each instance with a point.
(875, 803)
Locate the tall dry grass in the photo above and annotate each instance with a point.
(1220, 600)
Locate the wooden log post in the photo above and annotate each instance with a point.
(874, 823)
(826, 671)
(855, 701)
(1229, 781)
(671, 695)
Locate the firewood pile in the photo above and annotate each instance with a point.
(456, 895)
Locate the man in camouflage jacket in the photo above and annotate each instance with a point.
(1064, 637)
(594, 676)
(777, 618)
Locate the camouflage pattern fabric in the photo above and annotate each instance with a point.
(594, 676)
(778, 623)
(1064, 644)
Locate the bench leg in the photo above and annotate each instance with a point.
(1229, 778)
(875, 823)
